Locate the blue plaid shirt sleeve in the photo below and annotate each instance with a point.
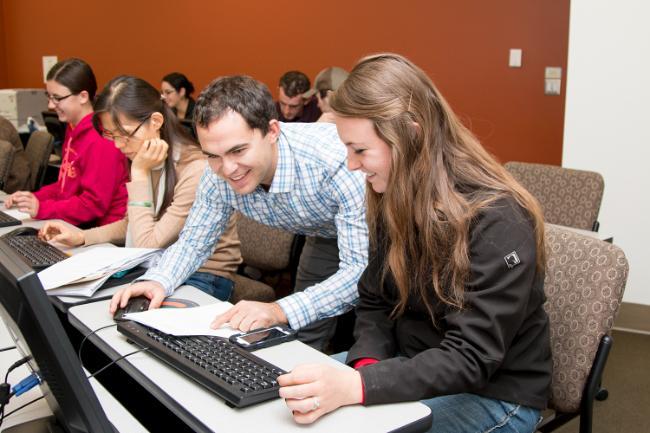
(338, 293)
(205, 223)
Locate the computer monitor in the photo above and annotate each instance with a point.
(37, 331)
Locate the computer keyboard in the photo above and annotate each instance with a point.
(239, 377)
(7, 220)
(37, 253)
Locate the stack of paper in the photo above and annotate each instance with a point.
(85, 272)
(185, 321)
(16, 213)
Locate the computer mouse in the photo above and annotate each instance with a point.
(135, 305)
(22, 231)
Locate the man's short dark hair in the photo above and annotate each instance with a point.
(294, 83)
(241, 94)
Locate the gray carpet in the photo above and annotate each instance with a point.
(627, 378)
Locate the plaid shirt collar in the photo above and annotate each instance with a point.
(285, 172)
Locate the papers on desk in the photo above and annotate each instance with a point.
(185, 321)
(85, 272)
(22, 216)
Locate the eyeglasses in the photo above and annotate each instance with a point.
(120, 138)
(56, 98)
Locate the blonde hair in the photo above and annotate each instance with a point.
(441, 178)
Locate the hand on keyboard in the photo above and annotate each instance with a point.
(312, 390)
(60, 233)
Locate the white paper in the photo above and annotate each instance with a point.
(97, 262)
(17, 214)
(185, 321)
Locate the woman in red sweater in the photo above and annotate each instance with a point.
(91, 187)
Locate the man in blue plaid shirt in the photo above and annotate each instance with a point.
(289, 176)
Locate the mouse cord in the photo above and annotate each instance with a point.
(81, 345)
(116, 360)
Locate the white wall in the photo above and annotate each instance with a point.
(607, 121)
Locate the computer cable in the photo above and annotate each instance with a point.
(4, 349)
(116, 360)
(81, 345)
(5, 388)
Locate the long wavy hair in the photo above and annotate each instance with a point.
(441, 178)
(136, 99)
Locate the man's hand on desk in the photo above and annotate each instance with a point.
(151, 289)
(247, 315)
(311, 391)
(58, 232)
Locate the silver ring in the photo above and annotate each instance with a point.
(316, 404)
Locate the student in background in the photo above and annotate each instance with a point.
(284, 175)
(166, 166)
(296, 103)
(19, 172)
(91, 188)
(451, 304)
(326, 82)
(177, 91)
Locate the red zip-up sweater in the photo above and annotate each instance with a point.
(91, 188)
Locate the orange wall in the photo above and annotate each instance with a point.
(463, 45)
(3, 59)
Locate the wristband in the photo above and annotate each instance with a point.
(141, 203)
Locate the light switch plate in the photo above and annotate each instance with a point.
(515, 58)
(48, 62)
(553, 72)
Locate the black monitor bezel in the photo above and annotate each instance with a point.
(30, 317)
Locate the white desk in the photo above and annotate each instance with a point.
(121, 419)
(203, 411)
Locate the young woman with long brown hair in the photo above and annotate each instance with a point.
(451, 304)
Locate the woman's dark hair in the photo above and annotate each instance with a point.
(76, 75)
(136, 99)
(179, 81)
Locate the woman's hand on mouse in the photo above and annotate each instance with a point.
(60, 233)
(151, 289)
(152, 154)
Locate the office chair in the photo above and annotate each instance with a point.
(568, 197)
(37, 151)
(584, 284)
(266, 252)
(7, 152)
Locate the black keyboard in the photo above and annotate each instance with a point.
(37, 253)
(7, 220)
(234, 374)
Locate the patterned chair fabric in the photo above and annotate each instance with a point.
(251, 290)
(585, 280)
(6, 160)
(568, 197)
(263, 247)
(37, 151)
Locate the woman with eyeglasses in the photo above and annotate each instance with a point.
(450, 306)
(90, 190)
(177, 90)
(166, 166)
